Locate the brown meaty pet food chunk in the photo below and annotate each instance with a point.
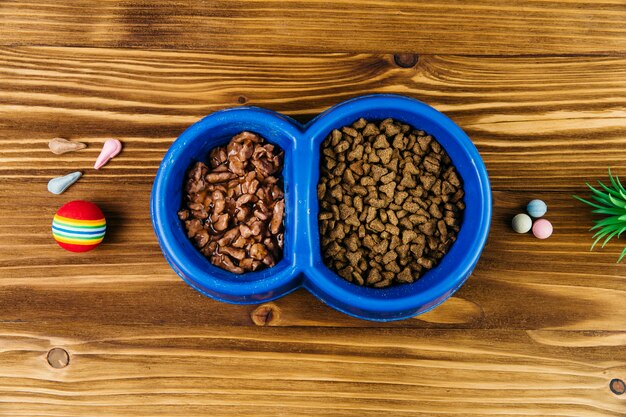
(390, 202)
(234, 207)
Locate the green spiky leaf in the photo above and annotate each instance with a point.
(622, 255)
(617, 202)
(610, 190)
(599, 235)
(609, 201)
(587, 202)
(616, 183)
(611, 211)
(599, 196)
(609, 221)
(609, 237)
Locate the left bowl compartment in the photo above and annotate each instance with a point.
(193, 145)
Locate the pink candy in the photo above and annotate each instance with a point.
(110, 149)
(542, 229)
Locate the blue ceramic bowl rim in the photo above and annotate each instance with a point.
(350, 299)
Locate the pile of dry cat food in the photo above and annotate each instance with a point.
(391, 203)
(234, 207)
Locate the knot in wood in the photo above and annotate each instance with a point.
(266, 315)
(58, 358)
(405, 60)
(617, 386)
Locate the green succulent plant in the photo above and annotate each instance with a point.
(611, 202)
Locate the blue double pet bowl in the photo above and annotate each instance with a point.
(302, 264)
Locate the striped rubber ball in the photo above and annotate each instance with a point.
(79, 226)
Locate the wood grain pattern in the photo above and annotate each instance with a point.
(540, 123)
(538, 330)
(455, 27)
(197, 371)
(557, 284)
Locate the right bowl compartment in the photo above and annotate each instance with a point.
(438, 284)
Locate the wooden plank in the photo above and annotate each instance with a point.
(164, 370)
(520, 282)
(540, 123)
(457, 27)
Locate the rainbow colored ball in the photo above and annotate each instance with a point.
(79, 226)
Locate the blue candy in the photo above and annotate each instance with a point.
(59, 184)
(537, 208)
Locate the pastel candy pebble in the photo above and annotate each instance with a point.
(542, 229)
(110, 149)
(59, 184)
(522, 223)
(79, 226)
(536, 208)
(60, 146)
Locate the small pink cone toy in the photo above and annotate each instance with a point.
(110, 149)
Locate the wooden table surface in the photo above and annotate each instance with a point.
(540, 327)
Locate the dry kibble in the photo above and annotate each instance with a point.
(359, 124)
(447, 188)
(358, 203)
(408, 182)
(398, 141)
(392, 267)
(234, 207)
(385, 155)
(424, 142)
(405, 276)
(411, 206)
(370, 130)
(388, 189)
(386, 179)
(435, 211)
(381, 247)
(378, 171)
(408, 236)
(373, 276)
(392, 129)
(380, 142)
(335, 137)
(377, 225)
(427, 181)
(389, 256)
(431, 164)
(393, 230)
(393, 164)
(402, 250)
(349, 131)
(391, 203)
(427, 228)
(394, 243)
